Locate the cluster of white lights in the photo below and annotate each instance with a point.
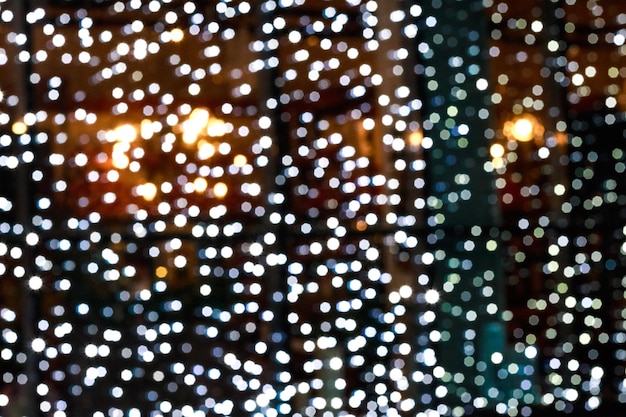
(227, 225)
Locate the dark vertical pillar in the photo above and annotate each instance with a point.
(555, 124)
(463, 214)
(28, 400)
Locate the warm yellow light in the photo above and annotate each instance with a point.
(190, 136)
(177, 35)
(216, 127)
(148, 191)
(415, 139)
(200, 115)
(120, 160)
(561, 138)
(200, 185)
(205, 150)
(220, 190)
(496, 150)
(121, 147)
(523, 128)
(147, 131)
(19, 128)
(125, 133)
(198, 121)
(240, 161)
(161, 272)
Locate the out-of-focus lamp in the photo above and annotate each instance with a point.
(19, 128)
(205, 150)
(192, 127)
(415, 139)
(200, 185)
(220, 190)
(201, 122)
(240, 160)
(125, 133)
(177, 35)
(216, 127)
(147, 190)
(523, 128)
(497, 154)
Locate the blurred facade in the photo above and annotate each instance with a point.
(312, 208)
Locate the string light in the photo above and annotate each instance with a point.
(234, 211)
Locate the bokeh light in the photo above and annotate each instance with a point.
(312, 208)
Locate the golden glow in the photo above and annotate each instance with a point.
(240, 161)
(121, 147)
(190, 136)
(192, 127)
(200, 185)
(148, 191)
(205, 150)
(120, 160)
(125, 133)
(415, 139)
(561, 138)
(19, 128)
(216, 127)
(147, 131)
(198, 118)
(177, 35)
(523, 128)
(220, 190)
(200, 113)
(200, 123)
(161, 272)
